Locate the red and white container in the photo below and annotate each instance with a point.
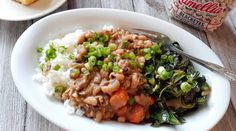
(205, 15)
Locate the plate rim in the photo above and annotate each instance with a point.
(105, 9)
(37, 15)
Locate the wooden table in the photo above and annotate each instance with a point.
(17, 115)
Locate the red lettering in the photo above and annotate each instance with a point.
(210, 7)
(191, 4)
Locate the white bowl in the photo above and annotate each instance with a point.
(13, 11)
(24, 61)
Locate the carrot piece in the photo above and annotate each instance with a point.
(144, 100)
(121, 111)
(119, 99)
(137, 114)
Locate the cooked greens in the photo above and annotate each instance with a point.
(174, 83)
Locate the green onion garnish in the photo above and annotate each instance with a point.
(116, 69)
(56, 67)
(92, 60)
(131, 101)
(50, 53)
(62, 49)
(125, 44)
(71, 56)
(60, 89)
(112, 46)
(185, 87)
(39, 50)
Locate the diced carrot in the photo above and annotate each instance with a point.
(119, 99)
(136, 115)
(144, 100)
(150, 101)
(121, 111)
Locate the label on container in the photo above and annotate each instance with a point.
(201, 14)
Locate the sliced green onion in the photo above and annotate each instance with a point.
(201, 100)
(60, 89)
(163, 57)
(99, 64)
(105, 67)
(156, 48)
(86, 72)
(141, 65)
(189, 78)
(96, 35)
(41, 66)
(148, 56)
(160, 69)
(145, 51)
(116, 69)
(105, 51)
(50, 53)
(152, 81)
(62, 49)
(88, 66)
(110, 65)
(103, 38)
(92, 60)
(132, 56)
(125, 56)
(155, 88)
(185, 87)
(205, 87)
(56, 67)
(131, 101)
(86, 44)
(71, 56)
(39, 50)
(92, 49)
(95, 53)
(170, 59)
(90, 40)
(149, 68)
(125, 44)
(164, 75)
(133, 64)
(111, 57)
(112, 46)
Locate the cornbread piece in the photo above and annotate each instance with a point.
(26, 2)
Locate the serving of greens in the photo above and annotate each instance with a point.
(174, 84)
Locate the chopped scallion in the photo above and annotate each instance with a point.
(131, 101)
(185, 87)
(56, 67)
(60, 89)
(71, 56)
(39, 50)
(62, 49)
(116, 69)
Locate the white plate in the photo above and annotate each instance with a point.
(13, 11)
(24, 61)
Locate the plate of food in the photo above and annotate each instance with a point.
(89, 71)
(20, 10)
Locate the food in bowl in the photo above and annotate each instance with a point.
(113, 74)
(26, 2)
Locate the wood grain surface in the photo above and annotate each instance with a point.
(17, 115)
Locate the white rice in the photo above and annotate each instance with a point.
(60, 77)
(68, 107)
